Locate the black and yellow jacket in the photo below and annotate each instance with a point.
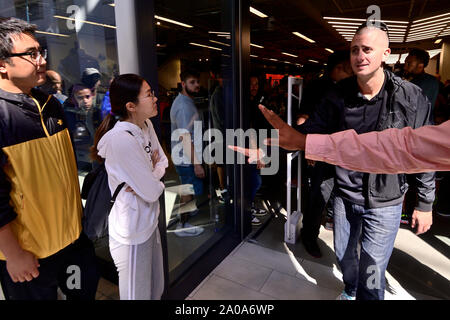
(39, 188)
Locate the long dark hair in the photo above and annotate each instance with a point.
(124, 88)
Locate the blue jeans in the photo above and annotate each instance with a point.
(187, 176)
(364, 275)
(255, 182)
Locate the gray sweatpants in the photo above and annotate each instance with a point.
(140, 267)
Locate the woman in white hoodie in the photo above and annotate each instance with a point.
(130, 148)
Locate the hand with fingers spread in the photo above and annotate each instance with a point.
(288, 137)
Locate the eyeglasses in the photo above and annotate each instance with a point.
(35, 55)
(152, 95)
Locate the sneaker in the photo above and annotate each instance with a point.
(258, 212)
(256, 221)
(345, 296)
(188, 230)
(329, 224)
(405, 219)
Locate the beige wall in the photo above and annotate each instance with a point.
(444, 64)
(169, 73)
(432, 65)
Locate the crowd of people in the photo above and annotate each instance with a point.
(41, 234)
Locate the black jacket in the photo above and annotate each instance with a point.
(39, 189)
(406, 106)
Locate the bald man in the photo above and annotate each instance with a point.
(54, 81)
(368, 206)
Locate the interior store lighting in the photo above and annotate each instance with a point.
(433, 17)
(85, 21)
(298, 34)
(218, 42)
(256, 46)
(329, 50)
(173, 21)
(258, 13)
(289, 54)
(53, 34)
(362, 20)
(204, 46)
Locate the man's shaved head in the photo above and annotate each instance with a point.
(382, 35)
(369, 49)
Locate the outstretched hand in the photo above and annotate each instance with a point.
(288, 137)
(254, 155)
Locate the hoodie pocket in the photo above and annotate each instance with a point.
(125, 214)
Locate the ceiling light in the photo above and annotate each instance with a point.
(422, 33)
(53, 34)
(219, 32)
(173, 21)
(441, 15)
(289, 54)
(313, 61)
(158, 23)
(430, 22)
(272, 59)
(258, 13)
(218, 42)
(298, 34)
(362, 20)
(88, 22)
(112, 4)
(428, 27)
(257, 46)
(204, 46)
(345, 27)
(252, 55)
(346, 23)
(345, 19)
(425, 34)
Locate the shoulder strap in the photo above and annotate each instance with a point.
(116, 193)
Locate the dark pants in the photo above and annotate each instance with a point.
(442, 194)
(322, 183)
(73, 270)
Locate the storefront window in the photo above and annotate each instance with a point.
(80, 37)
(194, 75)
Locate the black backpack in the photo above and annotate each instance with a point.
(99, 202)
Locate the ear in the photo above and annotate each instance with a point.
(131, 107)
(386, 54)
(3, 67)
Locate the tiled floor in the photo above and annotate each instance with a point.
(256, 272)
(253, 271)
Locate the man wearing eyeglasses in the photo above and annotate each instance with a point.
(41, 243)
